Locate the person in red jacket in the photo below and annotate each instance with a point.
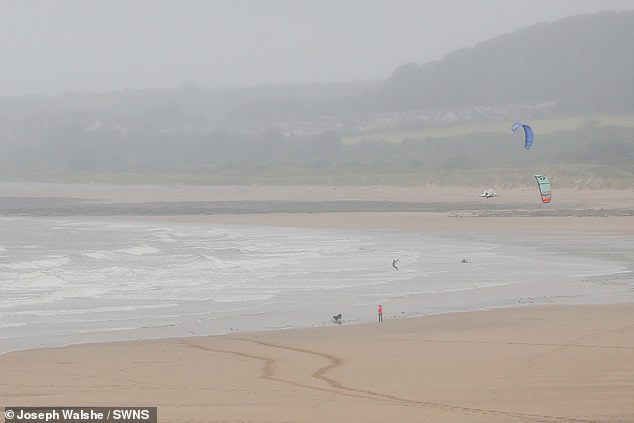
(380, 313)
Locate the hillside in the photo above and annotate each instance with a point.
(582, 64)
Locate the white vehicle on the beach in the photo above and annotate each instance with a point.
(489, 193)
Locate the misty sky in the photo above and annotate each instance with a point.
(49, 47)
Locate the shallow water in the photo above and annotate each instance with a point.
(75, 280)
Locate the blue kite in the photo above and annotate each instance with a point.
(528, 133)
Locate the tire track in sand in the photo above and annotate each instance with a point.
(336, 387)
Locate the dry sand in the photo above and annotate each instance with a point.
(538, 363)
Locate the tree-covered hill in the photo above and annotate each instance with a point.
(582, 63)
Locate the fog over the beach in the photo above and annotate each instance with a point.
(95, 46)
(209, 207)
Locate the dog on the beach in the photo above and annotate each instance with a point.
(337, 318)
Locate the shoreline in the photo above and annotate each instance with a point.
(516, 363)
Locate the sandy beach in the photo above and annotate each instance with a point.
(560, 363)
(541, 364)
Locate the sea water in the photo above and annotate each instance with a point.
(76, 280)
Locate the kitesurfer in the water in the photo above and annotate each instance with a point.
(394, 264)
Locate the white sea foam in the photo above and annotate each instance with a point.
(606, 272)
(28, 280)
(98, 255)
(89, 311)
(47, 263)
(11, 325)
(140, 250)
